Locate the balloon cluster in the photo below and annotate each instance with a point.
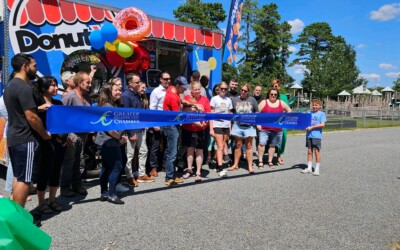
(117, 51)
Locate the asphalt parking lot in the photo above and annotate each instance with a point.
(353, 204)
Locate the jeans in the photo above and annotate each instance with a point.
(155, 148)
(111, 158)
(130, 152)
(70, 172)
(172, 135)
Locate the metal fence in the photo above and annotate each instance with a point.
(360, 118)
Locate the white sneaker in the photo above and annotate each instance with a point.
(316, 173)
(223, 173)
(306, 171)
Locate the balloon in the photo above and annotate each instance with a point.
(109, 32)
(131, 67)
(114, 59)
(111, 46)
(124, 49)
(145, 65)
(96, 39)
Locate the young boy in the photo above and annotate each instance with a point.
(314, 136)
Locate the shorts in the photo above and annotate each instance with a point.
(192, 139)
(25, 161)
(313, 143)
(272, 138)
(221, 131)
(243, 131)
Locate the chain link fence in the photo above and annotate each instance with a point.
(362, 118)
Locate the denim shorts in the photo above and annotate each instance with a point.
(243, 131)
(270, 137)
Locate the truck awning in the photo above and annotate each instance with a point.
(54, 12)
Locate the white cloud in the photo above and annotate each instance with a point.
(370, 76)
(361, 45)
(297, 26)
(386, 12)
(292, 49)
(299, 69)
(393, 74)
(386, 66)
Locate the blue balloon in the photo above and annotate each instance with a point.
(109, 32)
(96, 40)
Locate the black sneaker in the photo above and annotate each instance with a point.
(227, 159)
(115, 200)
(37, 218)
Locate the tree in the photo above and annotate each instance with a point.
(330, 61)
(248, 18)
(228, 72)
(266, 55)
(396, 84)
(204, 14)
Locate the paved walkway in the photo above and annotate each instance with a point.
(353, 204)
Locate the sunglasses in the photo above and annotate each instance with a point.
(166, 79)
(225, 89)
(273, 94)
(243, 90)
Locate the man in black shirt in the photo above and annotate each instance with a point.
(24, 126)
(232, 92)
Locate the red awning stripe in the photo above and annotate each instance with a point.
(35, 12)
(56, 11)
(52, 11)
(68, 12)
(169, 31)
(83, 12)
(97, 14)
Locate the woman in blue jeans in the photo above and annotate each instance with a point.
(109, 144)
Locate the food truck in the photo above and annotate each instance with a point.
(57, 33)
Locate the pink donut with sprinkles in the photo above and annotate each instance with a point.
(132, 24)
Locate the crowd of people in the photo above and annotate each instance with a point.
(54, 161)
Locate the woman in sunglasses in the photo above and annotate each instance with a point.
(220, 129)
(270, 135)
(276, 83)
(242, 132)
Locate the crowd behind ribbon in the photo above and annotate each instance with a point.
(138, 155)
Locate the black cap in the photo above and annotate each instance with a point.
(196, 73)
(180, 80)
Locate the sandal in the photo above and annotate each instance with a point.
(232, 168)
(270, 164)
(188, 174)
(44, 209)
(56, 207)
(260, 165)
(198, 178)
(280, 161)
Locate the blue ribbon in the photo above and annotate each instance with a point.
(67, 119)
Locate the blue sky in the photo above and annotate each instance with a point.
(371, 26)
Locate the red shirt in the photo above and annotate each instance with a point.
(172, 101)
(207, 109)
(268, 109)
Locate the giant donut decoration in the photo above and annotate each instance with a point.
(124, 22)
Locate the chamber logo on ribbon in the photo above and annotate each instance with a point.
(103, 119)
(178, 118)
(281, 120)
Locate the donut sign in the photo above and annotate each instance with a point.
(132, 24)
